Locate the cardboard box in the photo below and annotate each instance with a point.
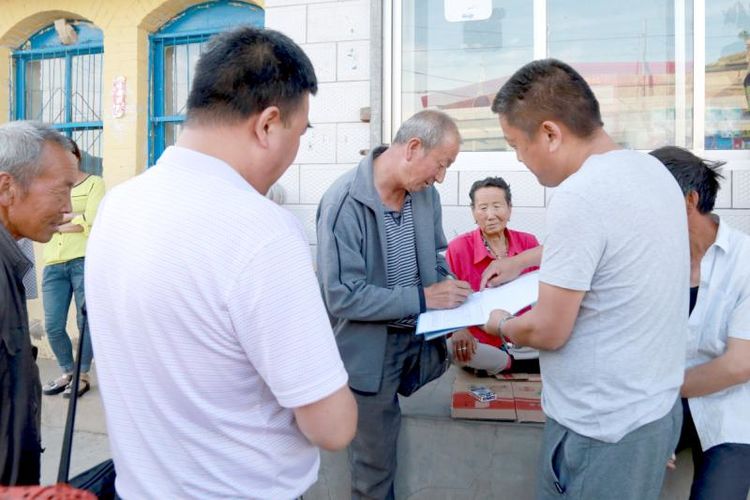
(465, 405)
(518, 397)
(527, 394)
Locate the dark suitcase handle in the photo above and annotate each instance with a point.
(64, 470)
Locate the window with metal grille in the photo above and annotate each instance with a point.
(175, 49)
(59, 81)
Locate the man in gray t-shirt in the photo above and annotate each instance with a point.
(612, 307)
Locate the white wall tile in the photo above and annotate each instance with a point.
(292, 21)
(448, 189)
(456, 221)
(339, 102)
(741, 189)
(525, 189)
(339, 21)
(353, 61)
(738, 219)
(289, 182)
(529, 220)
(318, 145)
(306, 215)
(724, 196)
(316, 179)
(323, 57)
(351, 138)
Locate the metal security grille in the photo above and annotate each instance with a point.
(175, 50)
(174, 64)
(62, 85)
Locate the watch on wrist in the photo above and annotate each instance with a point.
(501, 323)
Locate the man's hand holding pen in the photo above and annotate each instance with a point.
(446, 294)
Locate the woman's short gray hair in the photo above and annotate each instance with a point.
(21, 144)
(430, 126)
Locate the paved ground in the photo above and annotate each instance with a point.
(90, 445)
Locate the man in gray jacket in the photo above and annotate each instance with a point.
(37, 170)
(379, 241)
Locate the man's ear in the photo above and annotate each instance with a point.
(691, 201)
(552, 135)
(261, 125)
(412, 147)
(8, 189)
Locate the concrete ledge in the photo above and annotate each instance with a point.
(443, 458)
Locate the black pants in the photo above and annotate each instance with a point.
(720, 473)
(20, 417)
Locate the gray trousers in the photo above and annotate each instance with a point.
(408, 364)
(577, 467)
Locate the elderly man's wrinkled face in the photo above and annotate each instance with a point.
(429, 167)
(37, 211)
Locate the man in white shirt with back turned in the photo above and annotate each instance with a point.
(218, 368)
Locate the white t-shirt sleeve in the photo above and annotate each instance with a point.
(281, 323)
(574, 243)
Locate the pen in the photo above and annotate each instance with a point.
(445, 274)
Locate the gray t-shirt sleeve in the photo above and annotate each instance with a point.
(574, 243)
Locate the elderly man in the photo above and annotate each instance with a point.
(218, 367)
(37, 171)
(611, 316)
(379, 241)
(716, 392)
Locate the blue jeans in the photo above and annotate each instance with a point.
(60, 283)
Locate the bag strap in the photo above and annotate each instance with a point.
(64, 470)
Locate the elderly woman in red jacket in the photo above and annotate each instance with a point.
(469, 254)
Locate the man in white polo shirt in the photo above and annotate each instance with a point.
(716, 392)
(218, 367)
(611, 317)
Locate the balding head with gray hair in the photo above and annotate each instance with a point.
(430, 126)
(21, 145)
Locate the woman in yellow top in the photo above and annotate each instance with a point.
(63, 279)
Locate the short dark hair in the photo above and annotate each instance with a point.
(692, 174)
(548, 89)
(246, 70)
(496, 182)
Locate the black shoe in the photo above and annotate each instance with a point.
(56, 386)
(83, 388)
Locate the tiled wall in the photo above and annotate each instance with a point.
(336, 35)
(733, 202)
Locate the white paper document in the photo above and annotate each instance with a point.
(512, 297)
